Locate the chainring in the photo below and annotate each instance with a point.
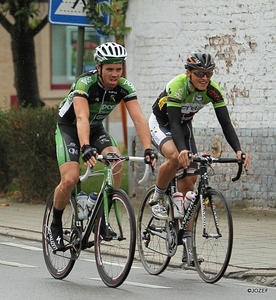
(171, 238)
(75, 242)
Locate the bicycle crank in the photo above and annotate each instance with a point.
(75, 243)
(171, 238)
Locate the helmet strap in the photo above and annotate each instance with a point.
(190, 75)
(100, 75)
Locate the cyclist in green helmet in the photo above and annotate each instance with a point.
(91, 98)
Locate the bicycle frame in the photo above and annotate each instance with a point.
(203, 186)
(107, 183)
(103, 195)
(201, 189)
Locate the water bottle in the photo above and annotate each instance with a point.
(92, 200)
(178, 205)
(189, 197)
(82, 205)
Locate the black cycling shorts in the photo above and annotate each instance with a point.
(68, 146)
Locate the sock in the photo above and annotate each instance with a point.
(188, 236)
(57, 214)
(159, 193)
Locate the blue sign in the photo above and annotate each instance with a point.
(71, 12)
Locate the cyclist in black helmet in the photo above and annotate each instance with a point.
(80, 131)
(171, 124)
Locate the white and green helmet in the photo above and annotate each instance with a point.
(110, 53)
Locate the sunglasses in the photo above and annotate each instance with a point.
(202, 74)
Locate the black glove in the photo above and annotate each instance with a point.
(88, 152)
(150, 152)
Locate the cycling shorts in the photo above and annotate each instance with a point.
(161, 133)
(68, 146)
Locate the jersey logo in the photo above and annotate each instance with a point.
(86, 80)
(104, 140)
(213, 93)
(198, 98)
(162, 101)
(129, 84)
(108, 106)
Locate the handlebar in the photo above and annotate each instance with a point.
(114, 157)
(206, 159)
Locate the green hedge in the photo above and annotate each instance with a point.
(28, 166)
(27, 152)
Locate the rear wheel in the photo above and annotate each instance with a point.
(212, 249)
(59, 263)
(115, 252)
(151, 239)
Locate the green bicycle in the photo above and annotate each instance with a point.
(113, 209)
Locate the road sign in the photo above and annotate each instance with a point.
(71, 12)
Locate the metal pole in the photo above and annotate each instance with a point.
(80, 51)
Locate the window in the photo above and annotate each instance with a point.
(64, 53)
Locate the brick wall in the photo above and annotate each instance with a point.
(242, 39)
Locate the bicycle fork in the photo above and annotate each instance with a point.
(204, 201)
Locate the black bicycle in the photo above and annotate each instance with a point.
(113, 210)
(212, 230)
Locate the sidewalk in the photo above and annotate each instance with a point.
(254, 249)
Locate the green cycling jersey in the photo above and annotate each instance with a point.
(179, 92)
(101, 101)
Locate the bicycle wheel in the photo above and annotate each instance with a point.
(114, 254)
(151, 239)
(213, 248)
(58, 263)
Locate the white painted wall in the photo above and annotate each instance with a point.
(241, 35)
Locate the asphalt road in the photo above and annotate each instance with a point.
(25, 276)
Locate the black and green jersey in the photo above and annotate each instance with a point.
(101, 102)
(179, 92)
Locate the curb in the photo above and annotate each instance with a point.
(265, 277)
(21, 233)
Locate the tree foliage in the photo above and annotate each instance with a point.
(23, 19)
(25, 24)
(117, 10)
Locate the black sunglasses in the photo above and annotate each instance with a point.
(202, 74)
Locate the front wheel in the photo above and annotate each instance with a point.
(59, 263)
(152, 239)
(115, 239)
(212, 246)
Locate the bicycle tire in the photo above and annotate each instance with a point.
(114, 256)
(152, 248)
(213, 253)
(59, 264)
